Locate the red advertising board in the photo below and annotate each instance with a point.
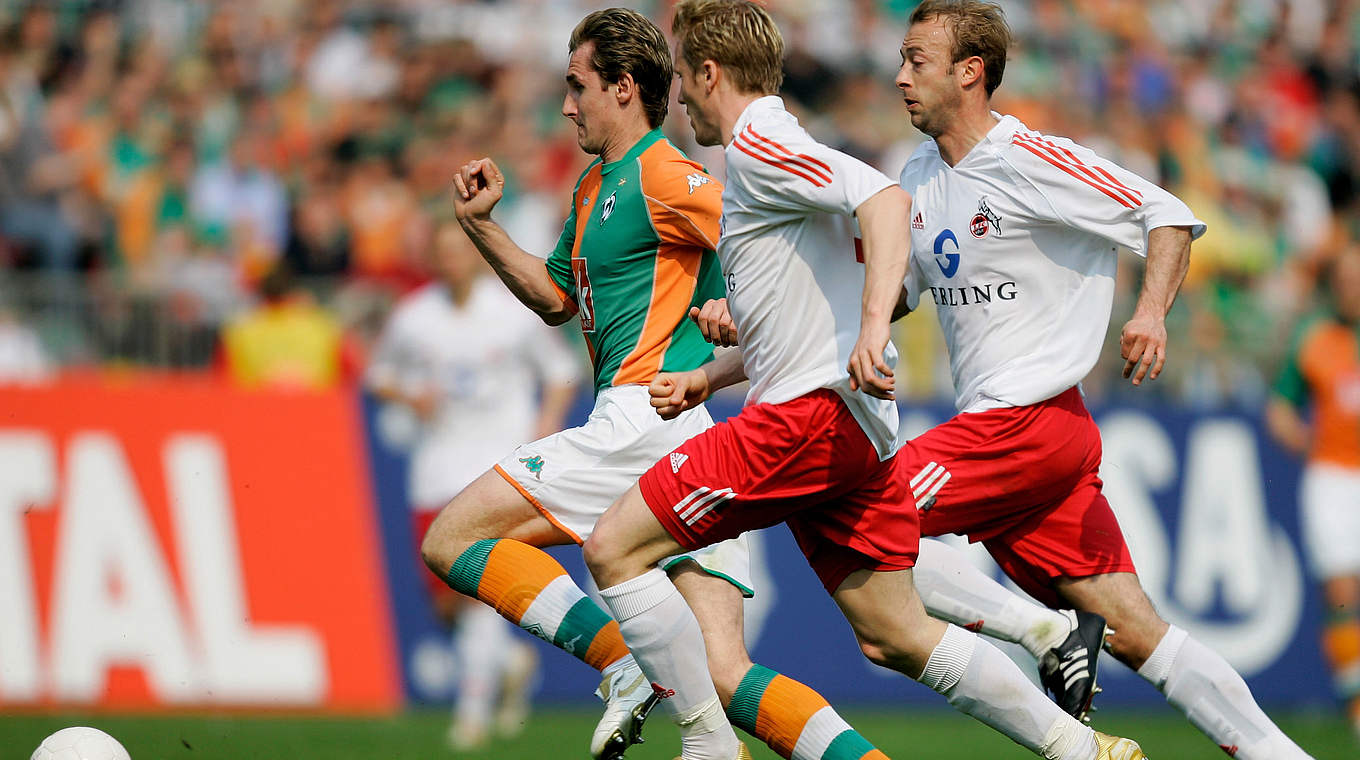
(171, 542)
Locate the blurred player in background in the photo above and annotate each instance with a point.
(815, 442)
(1315, 412)
(636, 253)
(481, 375)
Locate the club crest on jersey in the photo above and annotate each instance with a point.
(608, 207)
(696, 181)
(984, 220)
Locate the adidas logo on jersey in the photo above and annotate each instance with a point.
(678, 459)
(917, 223)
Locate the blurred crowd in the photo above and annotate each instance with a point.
(165, 162)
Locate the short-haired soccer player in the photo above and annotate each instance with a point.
(814, 445)
(1014, 235)
(635, 254)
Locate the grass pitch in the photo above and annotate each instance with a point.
(554, 733)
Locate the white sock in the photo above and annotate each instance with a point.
(1201, 684)
(482, 638)
(980, 681)
(664, 637)
(953, 589)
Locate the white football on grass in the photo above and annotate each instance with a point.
(80, 743)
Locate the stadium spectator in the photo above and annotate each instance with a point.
(287, 342)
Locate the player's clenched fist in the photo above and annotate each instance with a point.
(674, 392)
(715, 322)
(477, 188)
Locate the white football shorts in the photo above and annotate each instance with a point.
(1329, 505)
(573, 476)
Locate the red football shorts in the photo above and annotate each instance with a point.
(1024, 481)
(806, 462)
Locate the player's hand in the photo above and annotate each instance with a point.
(1142, 343)
(477, 188)
(715, 322)
(868, 370)
(674, 392)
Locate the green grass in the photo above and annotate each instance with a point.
(561, 733)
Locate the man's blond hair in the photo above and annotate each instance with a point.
(737, 35)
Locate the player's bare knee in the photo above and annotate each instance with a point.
(892, 653)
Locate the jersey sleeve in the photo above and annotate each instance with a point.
(685, 203)
(1290, 384)
(914, 282)
(783, 168)
(391, 365)
(1078, 188)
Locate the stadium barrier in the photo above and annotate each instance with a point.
(167, 542)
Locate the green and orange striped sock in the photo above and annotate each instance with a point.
(794, 720)
(530, 589)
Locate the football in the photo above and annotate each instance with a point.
(80, 743)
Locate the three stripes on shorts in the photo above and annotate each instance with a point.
(928, 482)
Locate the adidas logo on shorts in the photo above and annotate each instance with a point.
(678, 459)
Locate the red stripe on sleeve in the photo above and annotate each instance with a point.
(1110, 177)
(741, 146)
(1045, 156)
(1077, 170)
(803, 160)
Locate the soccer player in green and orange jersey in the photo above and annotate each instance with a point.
(1322, 372)
(635, 255)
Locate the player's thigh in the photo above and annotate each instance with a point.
(1120, 599)
(1329, 515)
(628, 540)
(889, 619)
(489, 507)
(718, 606)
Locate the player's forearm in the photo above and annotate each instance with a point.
(725, 369)
(883, 224)
(1286, 426)
(1168, 259)
(523, 273)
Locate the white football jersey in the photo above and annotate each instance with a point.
(486, 360)
(1016, 246)
(788, 254)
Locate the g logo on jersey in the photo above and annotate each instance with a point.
(948, 262)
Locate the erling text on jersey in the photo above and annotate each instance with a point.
(972, 295)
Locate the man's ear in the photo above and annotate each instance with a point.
(626, 89)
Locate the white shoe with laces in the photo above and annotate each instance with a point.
(628, 698)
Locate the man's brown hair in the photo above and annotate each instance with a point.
(979, 29)
(626, 42)
(736, 34)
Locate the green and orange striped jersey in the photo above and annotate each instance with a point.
(636, 252)
(1323, 370)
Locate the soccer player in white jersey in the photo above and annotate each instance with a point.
(481, 375)
(1014, 236)
(814, 444)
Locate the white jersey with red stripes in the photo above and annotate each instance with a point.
(788, 253)
(1016, 247)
